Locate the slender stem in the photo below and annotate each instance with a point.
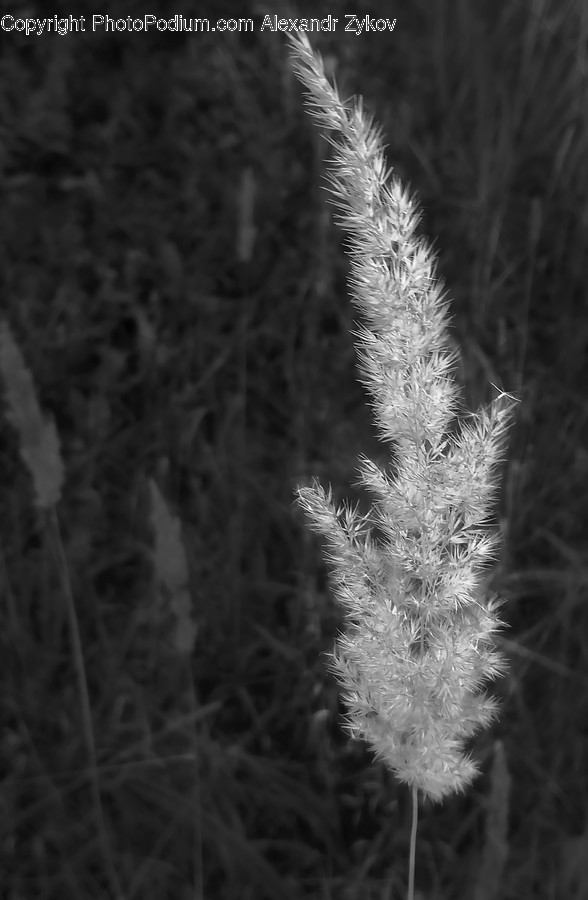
(413, 837)
(84, 696)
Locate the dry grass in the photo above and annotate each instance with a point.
(177, 293)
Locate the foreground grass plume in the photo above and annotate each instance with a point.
(419, 641)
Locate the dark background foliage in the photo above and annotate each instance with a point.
(171, 272)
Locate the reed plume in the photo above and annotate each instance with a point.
(418, 645)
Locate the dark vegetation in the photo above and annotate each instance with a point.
(170, 270)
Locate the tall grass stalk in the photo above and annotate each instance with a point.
(172, 617)
(41, 453)
(419, 640)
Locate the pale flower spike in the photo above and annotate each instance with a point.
(39, 441)
(419, 641)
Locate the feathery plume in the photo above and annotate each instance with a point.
(39, 441)
(171, 573)
(418, 646)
